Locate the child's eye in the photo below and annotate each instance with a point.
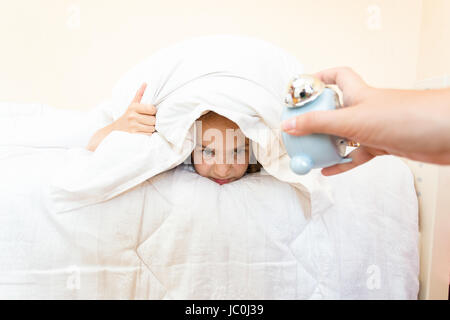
(208, 152)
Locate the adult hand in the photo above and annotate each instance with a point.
(407, 123)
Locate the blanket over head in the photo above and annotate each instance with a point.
(241, 78)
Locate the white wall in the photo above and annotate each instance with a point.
(434, 54)
(433, 71)
(69, 53)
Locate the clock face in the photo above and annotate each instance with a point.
(303, 89)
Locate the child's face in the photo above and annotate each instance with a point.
(222, 150)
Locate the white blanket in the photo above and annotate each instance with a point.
(115, 223)
(181, 236)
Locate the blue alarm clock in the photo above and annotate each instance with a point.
(307, 93)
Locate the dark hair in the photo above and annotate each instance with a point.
(254, 167)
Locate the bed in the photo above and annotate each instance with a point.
(164, 240)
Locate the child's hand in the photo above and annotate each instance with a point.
(139, 118)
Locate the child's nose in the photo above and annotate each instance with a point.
(222, 170)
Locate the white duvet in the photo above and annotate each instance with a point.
(129, 221)
(180, 235)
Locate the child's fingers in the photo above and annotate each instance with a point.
(145, 133)
(144, 128)
(138, 97)
(146, 109)
(146, 119)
